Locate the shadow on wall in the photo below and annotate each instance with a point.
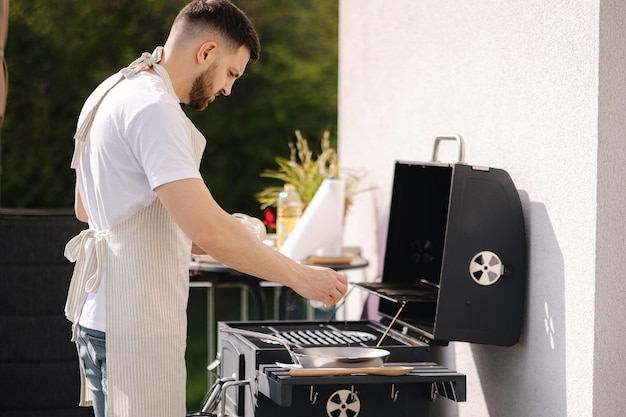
(529, 379)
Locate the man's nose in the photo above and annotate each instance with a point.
(226, 90)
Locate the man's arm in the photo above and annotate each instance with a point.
(195, 211)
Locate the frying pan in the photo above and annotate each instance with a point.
(323, 357)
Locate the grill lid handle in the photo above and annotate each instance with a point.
(459, 141)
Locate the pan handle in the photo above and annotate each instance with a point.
(370, 370)
(459, 141)
(259, 335)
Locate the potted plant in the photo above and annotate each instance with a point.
(306, 172)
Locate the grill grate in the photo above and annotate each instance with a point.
(326, 337)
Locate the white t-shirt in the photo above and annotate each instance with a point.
(140, 139)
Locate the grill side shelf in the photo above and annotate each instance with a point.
(275, 383)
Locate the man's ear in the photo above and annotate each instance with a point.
(207, 50)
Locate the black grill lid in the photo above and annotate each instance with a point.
(455, 252)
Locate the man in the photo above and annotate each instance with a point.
(139, 188)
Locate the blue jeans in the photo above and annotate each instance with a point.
(91, 345)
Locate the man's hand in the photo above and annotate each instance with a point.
(322, 284)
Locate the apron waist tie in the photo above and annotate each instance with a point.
(87, 274)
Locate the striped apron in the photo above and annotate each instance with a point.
(147, 284)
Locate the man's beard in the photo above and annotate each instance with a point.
(201, 93)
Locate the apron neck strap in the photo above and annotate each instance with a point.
(145, 61)
(150, 60)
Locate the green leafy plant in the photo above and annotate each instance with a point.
(306, 172)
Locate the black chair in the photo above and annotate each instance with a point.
(38, 363)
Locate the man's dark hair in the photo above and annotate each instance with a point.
(223, 16)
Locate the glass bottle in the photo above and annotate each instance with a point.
(288, 212)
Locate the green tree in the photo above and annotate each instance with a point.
(59, 50)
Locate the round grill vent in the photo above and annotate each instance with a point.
(343, 403)
(486, 268)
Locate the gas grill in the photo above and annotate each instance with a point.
(267, 390)
(454, 269)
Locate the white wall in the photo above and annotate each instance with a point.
(537, 88)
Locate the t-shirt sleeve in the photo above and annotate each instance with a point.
(161, 142)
